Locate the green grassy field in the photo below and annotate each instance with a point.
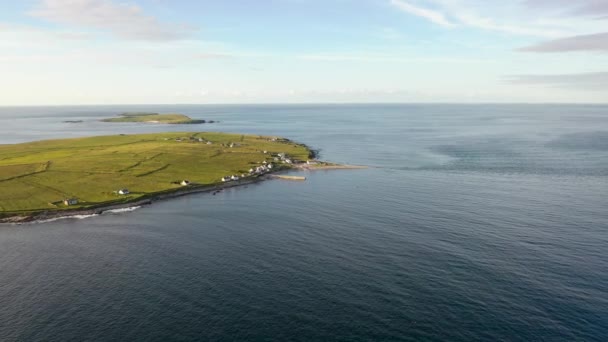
(154, 118)
(37, 176)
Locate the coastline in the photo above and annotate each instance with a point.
(306, 167)
(45, 216)
(100, 209)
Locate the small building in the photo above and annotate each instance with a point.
(124, 192)
(265, 152)
(184, 182)
(209, 143)
(311, 162)
(234, 178)
(70, 201)
(225, 179)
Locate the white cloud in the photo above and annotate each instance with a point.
(592, 8)
(591, 42)
(597, 81)
(595, 9)
(431, 15)
(119, 19)
(511, 17)
(386, 58)
(486, 23)
(23, 35)
(214, 55)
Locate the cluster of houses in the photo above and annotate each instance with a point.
(262, 169)
(193, 139)
(284, 158)
(275, 139)
(231, 145)
(230, 178)
(254, 171)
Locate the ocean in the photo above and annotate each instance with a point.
(472, 222)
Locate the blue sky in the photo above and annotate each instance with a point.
(302, 51)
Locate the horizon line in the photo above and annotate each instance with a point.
(302, 104)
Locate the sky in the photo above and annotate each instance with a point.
(57, 52)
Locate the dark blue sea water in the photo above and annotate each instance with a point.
(473, 222)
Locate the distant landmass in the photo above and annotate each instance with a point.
(172, 118)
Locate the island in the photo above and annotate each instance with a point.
(177, 119)
(79, 176)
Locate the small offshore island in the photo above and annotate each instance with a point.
(57, 178)
(176, 119)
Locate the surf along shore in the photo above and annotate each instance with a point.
(48, 180)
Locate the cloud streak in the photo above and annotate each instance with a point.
(596, 8)
(121, 20)
(590, 42)
(431, 15)
(214, 55)
(597, 81)
(453, 13)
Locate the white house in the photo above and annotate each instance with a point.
(185, 182)
(123, 192)
(70, 201)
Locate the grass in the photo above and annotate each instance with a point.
(154, 118)
(37, 176)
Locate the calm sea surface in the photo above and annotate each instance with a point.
(481, 222)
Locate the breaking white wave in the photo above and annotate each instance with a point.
(76, 217)
(121, 210)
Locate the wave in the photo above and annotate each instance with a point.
(121, 210)
(76, 217)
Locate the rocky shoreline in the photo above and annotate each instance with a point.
(58, 214)
(39, 217)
